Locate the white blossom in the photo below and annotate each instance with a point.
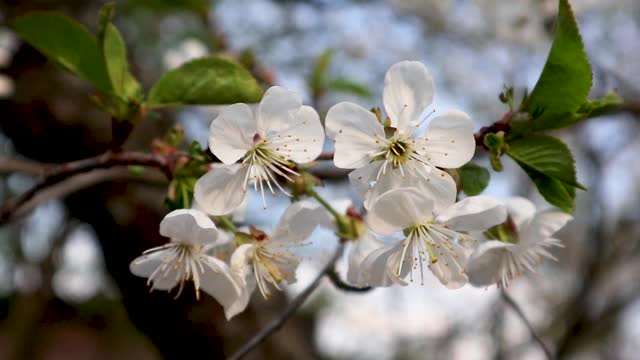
(268, 143)
(361, 142)
(189, 256)
(431, 235)
(271, 260)
(527, 236)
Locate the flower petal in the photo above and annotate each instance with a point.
(302, 141)
(484, 267)
(448, 141)
(433, 183)
(408, 90)
(146, 265)
(299, 221)
(360, 249)
(219, 281)
(277, 109)
(378, 268)
(542, 226)
(474, 213)
(242, 268)
(519, 209)
(220, 191)
(449, 269)
(399, 209)
(357, 133)
(231, 133)
(189, 225)
(363, 178)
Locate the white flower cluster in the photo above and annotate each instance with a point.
(413, 220)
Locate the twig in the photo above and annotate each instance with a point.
(9, 165)
(82, 181)
(277, 323)
(509, 300)
(61, 172)
(338, 283)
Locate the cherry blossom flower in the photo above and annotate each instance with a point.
(430, 236)
(189, 256)
(268, 143)
(525, 238)
(361, 142)
(361, 242)
(271, 260)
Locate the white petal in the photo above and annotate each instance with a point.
(436, 184)
(242, 268)
(231, 133)
(355, 131)
(399, 209)
(446, 270)
(484, 267)
(145, 265)
(519, 209)
(474, 213)
(448, 140)
(277, 109)
(302, 141)
(379, 268)
(542, 226)
(220, 191)
(219, 282)
(360, 249)
(408, 90)
(299, 221)
(189, 225)
(363, 178)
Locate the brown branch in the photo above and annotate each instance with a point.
(58, 173)
(340, 284)
(277, 323)
(9, 165)
(82, 181)
(509, 300)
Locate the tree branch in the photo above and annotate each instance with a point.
(509, 300)
(82, 181)
(57, 173)
(340, 284)
(277, 323)
(9, 165)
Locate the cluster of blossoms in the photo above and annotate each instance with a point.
(413, 220)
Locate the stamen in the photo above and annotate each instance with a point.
(264, 163)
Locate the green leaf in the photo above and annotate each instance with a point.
(554, 191)
(591, 108)
(349, 86)
(547, 155)
(319, 73)
(171, 6)
(115, 56)
(67, 43)
(550, 165)
(566, 77)
(205, 81)
(600, 106)
(104, 18)
(180, 192)
(474, 179)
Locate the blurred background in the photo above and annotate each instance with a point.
(65, 288)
